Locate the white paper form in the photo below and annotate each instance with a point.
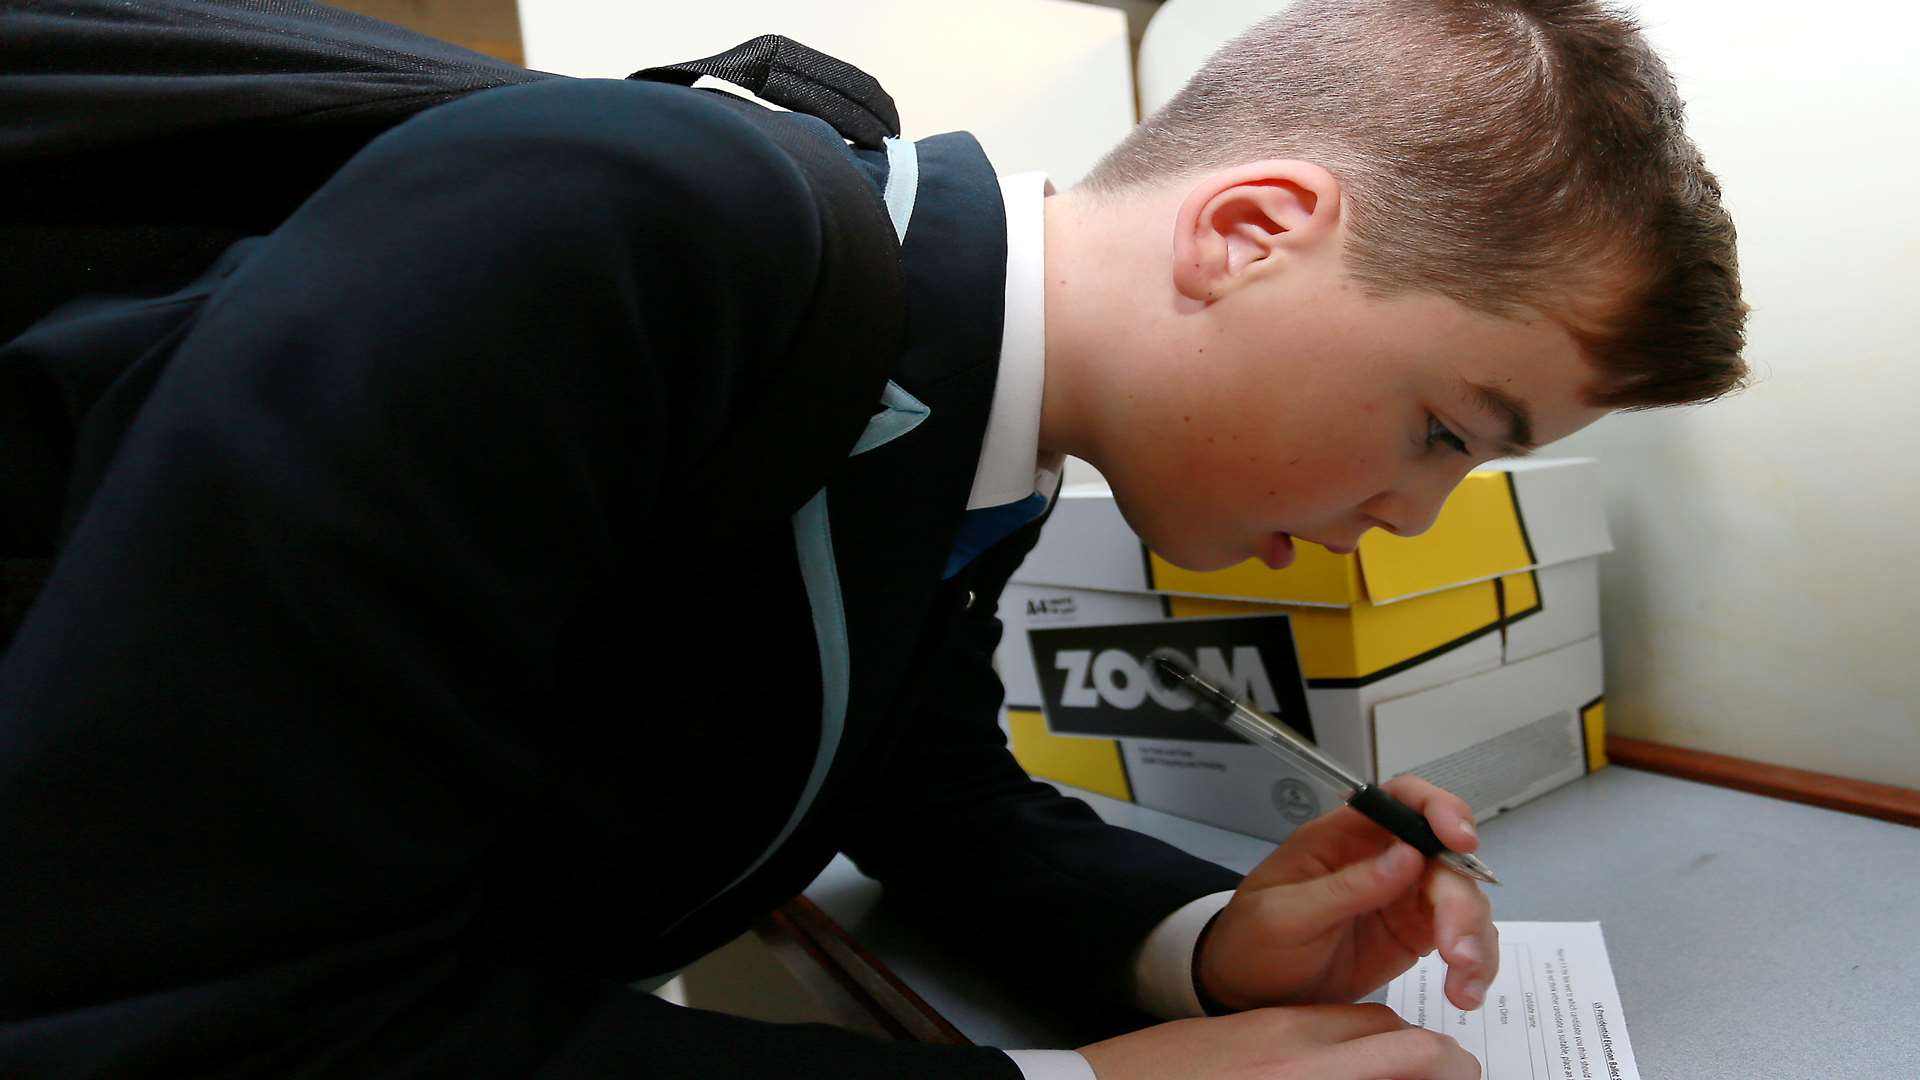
(1553, 1012)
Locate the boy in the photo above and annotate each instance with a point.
(322, 755)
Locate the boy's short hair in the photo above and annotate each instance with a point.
(1508, 154)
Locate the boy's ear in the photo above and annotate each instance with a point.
(1241, 224)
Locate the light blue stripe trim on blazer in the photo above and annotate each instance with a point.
(903, 183)
(901, 412)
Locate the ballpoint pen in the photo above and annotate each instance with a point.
(1370, 799)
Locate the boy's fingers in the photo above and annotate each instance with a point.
(1469, 942)
(1338, 1023)
(1449, 814)
(1462, 916)
(1354, 889)
(1467, 982)
(1408, 1054)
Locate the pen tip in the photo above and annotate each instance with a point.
(1471, 866)
(1170, 674)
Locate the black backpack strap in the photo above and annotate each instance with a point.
(792, 76)
(777, 456)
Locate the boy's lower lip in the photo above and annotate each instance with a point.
(1279, 552)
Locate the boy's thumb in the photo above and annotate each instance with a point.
(1367, 885)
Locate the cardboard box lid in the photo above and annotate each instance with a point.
(1506, 517)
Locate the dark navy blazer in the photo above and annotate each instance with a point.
(383, 716)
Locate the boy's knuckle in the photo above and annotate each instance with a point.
(1429, 1049)
(1382, 1017)
(1273, 1022)
(1344, 887)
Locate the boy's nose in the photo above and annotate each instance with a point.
(1420, 516)
(1406, 512)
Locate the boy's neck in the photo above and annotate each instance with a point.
(1107, 268)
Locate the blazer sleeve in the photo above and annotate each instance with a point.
(1006, 867)
(282, 692)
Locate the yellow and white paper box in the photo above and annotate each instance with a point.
(1469, 654)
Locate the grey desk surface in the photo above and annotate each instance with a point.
(1752, 939)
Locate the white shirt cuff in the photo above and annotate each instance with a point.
(1051, 1064)
(1163, 966)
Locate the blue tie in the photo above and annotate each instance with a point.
(981, 529)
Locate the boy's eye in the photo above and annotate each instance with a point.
(1438, 433)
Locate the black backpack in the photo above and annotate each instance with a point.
(139, 140)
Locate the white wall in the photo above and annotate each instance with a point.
(1762, 599)
(1043, 84)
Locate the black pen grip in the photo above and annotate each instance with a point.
(1397, 818)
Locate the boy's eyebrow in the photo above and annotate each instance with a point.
(1493, 400)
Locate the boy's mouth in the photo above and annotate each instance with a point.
(1279, 551)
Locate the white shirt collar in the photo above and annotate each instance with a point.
(1010, 468)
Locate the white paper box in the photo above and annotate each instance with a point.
(1471, 611)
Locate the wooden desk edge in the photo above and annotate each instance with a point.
(1883, 801)
(889, 1001)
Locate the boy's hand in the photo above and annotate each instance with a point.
(1311, 1042)
(1342, 907)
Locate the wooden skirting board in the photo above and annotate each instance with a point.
(1884, 801)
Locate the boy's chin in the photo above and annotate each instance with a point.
(1203, 560)
(1185, 548)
